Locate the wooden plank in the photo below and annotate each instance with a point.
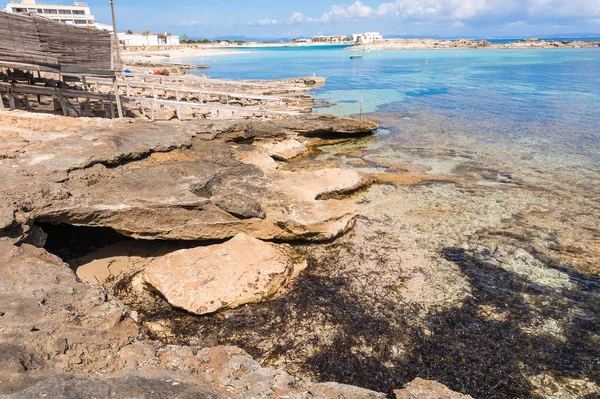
(66, 93)
(200, 79)
(193, 90)
(51, 91)
(246, 110)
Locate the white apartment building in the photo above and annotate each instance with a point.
(78, 14)
(368, 37)
(136, 39)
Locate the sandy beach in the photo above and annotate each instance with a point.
(172, 52)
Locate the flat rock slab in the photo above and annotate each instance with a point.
(287, 150)
(165, 181)
(7, 217)
(205, 279)
(424, 389)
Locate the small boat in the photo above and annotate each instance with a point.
(356, 57)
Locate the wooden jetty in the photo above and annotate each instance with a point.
(77, 68)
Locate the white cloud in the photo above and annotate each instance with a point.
(456, 12)
(186, 24)
(356, 10)
(268, 22)
(297, 18)
(515, 24)
(421, 10)
(564, 9)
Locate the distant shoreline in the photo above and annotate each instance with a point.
(466, 44)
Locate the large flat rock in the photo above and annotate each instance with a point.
(205, 193)
(60, 337)
(166, 181)
(205, 279)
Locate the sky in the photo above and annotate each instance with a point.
(307, 18)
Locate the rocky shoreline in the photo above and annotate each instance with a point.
(264, 258)
(465, 44)
(203, 181)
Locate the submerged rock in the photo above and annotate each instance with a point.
(205, 279)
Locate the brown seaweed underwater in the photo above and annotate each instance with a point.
(472, 264)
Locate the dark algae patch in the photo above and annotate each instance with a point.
(484, 347)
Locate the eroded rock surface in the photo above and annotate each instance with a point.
(205, 279)
(165, 181)
(423, 389)
(61, 336)
(287, 150)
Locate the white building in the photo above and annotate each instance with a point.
(78, 14)
(136, 39)
(329, 39)
(368, 37)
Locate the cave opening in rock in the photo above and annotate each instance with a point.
(70, 242)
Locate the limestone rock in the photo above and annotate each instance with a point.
(307, 125)
(319, 184)
(424, 389)
(7, 217)
(287, 150)
(12, 144)
(340, 391)
(205, 279)
(126, 387)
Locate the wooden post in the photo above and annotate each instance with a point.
(152, 108)
(11, 99)
(1, 103)
(27, 105)
(115, 36)
(112, 109)
(118, 99)
(63, 103)
(178, 105)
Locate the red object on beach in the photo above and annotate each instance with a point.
(156, 73)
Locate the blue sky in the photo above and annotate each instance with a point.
(278, 18)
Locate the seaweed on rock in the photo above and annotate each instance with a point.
(491, 346)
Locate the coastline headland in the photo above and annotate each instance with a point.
(464, 44)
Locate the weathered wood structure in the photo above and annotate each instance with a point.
(78, 72)
(34, 43)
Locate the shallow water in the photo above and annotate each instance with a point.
(544, 102)
(476, 263)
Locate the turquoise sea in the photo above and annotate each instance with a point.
(543, 102)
